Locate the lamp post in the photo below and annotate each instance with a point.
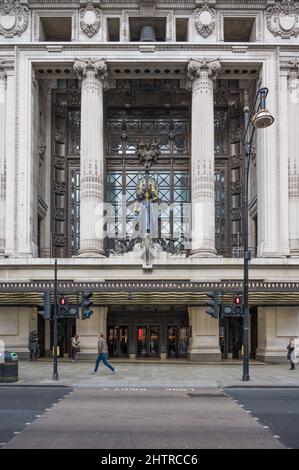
(55, 326)
(258, 118)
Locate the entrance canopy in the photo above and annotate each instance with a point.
(151, 292)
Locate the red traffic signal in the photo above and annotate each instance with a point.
(62, 307)
(237, 300)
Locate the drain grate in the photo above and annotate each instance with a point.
(206, 395)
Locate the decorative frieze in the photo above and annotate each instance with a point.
(58, 240)
(235, 162)
(90, 20)
(60, 136)
(283, 18)
(42, 150)
(204, 20)
(14, 18)
(235, 135)
(59, 188)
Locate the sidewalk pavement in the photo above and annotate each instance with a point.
(156, 375)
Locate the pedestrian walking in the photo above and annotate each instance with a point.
(291, 353)
(33, 345)
(75, 347)
(103, 352)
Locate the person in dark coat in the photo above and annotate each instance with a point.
(33, 345)
(291, 353)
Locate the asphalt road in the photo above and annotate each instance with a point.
(144, 419)
(20, 405)
(276, 408)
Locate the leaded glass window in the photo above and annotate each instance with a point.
(125, 130)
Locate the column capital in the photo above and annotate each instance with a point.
(197, 68)
(293, 68)
(98, 67)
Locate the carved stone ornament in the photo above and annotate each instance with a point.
(90, 20)
(99, 67)
(42, 150)
(196, 67)
(205, 20)
(14, 18)
(283, 18)
(148, 153)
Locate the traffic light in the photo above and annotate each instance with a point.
(62, 307)
(233, 310)
(45, 308)
(213, 303)
(86, 303)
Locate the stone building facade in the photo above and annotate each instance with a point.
(121, 155)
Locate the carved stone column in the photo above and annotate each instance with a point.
(2, 158)
(202, 73)
(294, 158)
(93, 74)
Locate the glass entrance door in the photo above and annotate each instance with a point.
(178, 341)
(148, 341)
(117, 341)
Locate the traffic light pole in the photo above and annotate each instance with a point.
(55, 325)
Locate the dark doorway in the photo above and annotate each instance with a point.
(231, 337)
(253, 332)
(178, 341)
(117, 341)
(66, 330)
(148, 341)
(41, 327)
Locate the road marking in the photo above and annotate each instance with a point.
(2, 444)
(277, 437)
(266, 427)
(247, 411)
(38, 416)
(27, 424)
(17, 432)
(256, 419)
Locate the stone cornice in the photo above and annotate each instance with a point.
(135, 46)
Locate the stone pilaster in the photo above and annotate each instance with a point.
(267, 170)
(294, 157)
(10, 151)
(204, 342)
(93, 74)
(275, 326)
(26, 239)
(202, 73)
(2, 158)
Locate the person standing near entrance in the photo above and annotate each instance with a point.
(103, 351)
(291, 353)
(33, 345)
(75, 347)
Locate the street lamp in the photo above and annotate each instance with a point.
(258, 118)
